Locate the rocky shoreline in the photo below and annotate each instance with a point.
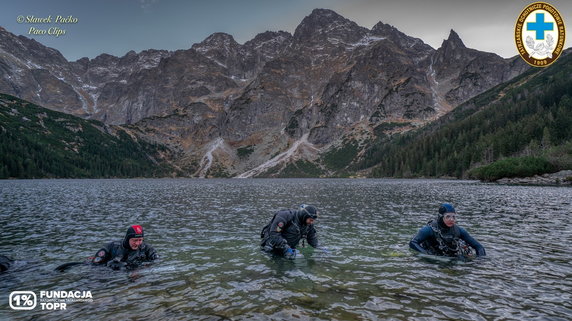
(558, 179)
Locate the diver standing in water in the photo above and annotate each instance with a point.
(287, 228)
(444, 238)
(128, 253)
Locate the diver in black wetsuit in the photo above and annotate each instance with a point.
(128, 253)
(444, 238)
(287, 228)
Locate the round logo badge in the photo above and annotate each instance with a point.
(539, 34)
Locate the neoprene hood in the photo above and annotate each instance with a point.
(446, 208)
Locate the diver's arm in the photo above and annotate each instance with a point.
(465, 236)
(277, 226)
(312, 237)
(150, 253)
(424, 233)
(103, 255)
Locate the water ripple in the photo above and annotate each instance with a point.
(207, 233)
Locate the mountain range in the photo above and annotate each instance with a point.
(303, 104)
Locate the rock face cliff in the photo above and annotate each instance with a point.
(255, 109)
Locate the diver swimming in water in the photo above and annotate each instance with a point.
(129, 253)
(287, 228)
(126, 254)
(443, 237)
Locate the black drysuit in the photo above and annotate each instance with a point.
(286, 230)
(436, 238)
(119, 254)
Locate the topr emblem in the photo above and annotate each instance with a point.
(540, 34)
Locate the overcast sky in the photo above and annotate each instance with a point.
(117, 26)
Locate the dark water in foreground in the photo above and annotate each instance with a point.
(207, 232)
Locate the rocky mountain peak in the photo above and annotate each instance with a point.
(104, 60)
(129, 55)
(324, 15)
(83, 62)
(454, 42)
(217, 40)
(383, 29)
(325, 23)
(453, 52)
(221, 49)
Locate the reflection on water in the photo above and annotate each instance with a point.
(207, 233)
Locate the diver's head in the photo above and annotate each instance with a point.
(134, 237)
(447, 214)
(309, 214)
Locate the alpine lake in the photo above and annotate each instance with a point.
(207, 233)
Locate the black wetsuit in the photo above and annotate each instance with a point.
(436, 238)
(286, 230)
(119, 254)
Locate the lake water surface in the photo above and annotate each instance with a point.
(207, 233)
